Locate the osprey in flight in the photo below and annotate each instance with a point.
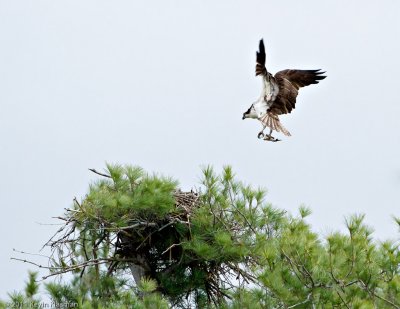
(278, 95)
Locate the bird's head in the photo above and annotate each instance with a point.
(250, 113)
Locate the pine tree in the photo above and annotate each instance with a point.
(136, 241)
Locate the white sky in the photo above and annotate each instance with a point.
(163, 84)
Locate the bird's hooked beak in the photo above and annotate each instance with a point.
(246, 114)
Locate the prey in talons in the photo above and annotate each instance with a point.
(268, 137)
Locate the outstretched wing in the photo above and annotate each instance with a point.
(260, 66)
(289, 82)
(270, 86)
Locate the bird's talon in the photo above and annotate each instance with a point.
(260, 135)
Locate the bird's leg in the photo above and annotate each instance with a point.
(270, 134)
(269, 137)
(261, 133)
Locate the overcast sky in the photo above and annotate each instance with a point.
(163, 85)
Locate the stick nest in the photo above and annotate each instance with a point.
(145, 224)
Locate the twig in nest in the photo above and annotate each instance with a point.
(170, 247)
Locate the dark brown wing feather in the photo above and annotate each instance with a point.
(289, 82)
(260, 66)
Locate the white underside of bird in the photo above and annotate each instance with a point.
(259, 109)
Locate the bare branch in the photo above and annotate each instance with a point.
(28, 253)
(98, 173)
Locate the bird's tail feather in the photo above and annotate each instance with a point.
(272, 121)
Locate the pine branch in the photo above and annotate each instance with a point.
(302, 303)
(373, 294)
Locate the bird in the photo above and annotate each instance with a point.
(278, 95)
